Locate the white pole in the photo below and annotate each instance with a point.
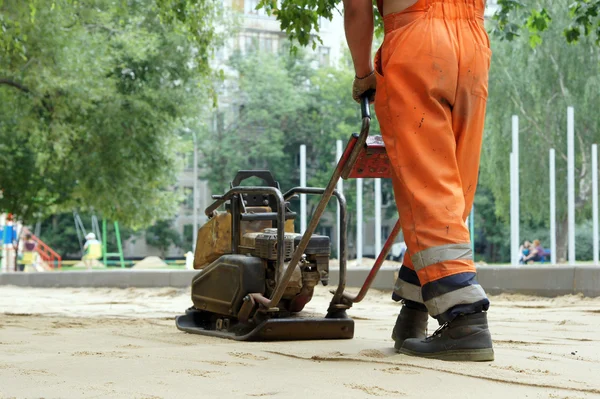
(359, 221)
(340, 188)
(377, 216)
(552, 207)
(514, 216)
(195, 193)
(571, 181)
(302, 184)
(517, 191)
(595, 199)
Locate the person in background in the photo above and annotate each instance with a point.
(92, 250)
(29, 253)
(524, 250)
(537, 253)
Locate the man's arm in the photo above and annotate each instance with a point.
(358, 23)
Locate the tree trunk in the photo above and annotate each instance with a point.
(562, 239)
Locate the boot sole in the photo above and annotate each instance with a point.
(463, 355)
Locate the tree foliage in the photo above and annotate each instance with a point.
(514, 17)
(91, 95)
(161, 235)
(300, 18)
(538, 85)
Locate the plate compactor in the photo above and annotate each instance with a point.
(256, 274)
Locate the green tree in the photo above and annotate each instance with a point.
(492, 233)
(92, 94)
(538, 85)
(162, 236)
(514, 17)
(300, 18)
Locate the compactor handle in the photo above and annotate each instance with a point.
(264, 175)
(364, 104)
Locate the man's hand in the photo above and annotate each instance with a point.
(364, 85)
(358, 24)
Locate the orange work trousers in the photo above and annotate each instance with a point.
(432, 77)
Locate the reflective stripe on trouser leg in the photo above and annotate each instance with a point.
(407, 286)
(453, 295)
(433, 255)
(446, 292)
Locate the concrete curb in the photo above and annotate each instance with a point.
(548, 281)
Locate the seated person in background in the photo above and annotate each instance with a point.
(524, 251)
(537, 252)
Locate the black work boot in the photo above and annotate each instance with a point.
(466, 338)
(411, 323)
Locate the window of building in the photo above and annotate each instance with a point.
(220, 121)
(188, 160)
(237, 5)
(251, 44)
(188, 198)
(266, 43)
(324, 24)
(188, 236)
(385, 232)
(283, 46)
(326, 231)
(220, 53)
(324, 55)
(250, 7)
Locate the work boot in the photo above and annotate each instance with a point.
(466, 338)
(411, 323)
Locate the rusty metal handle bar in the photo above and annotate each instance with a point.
(343, 229)
(375, 269)
(346, 162)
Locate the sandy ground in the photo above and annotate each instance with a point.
(97, 343)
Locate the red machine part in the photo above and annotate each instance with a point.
(372, 161)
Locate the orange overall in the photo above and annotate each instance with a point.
(432, 76)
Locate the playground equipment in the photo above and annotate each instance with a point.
(10, 231)
(119, 244)
(47, 254)
(102, 237)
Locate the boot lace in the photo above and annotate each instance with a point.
(438, 332)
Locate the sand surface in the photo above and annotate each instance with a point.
(122, 343)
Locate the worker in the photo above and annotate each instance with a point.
(92, 250)
(430, 85)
